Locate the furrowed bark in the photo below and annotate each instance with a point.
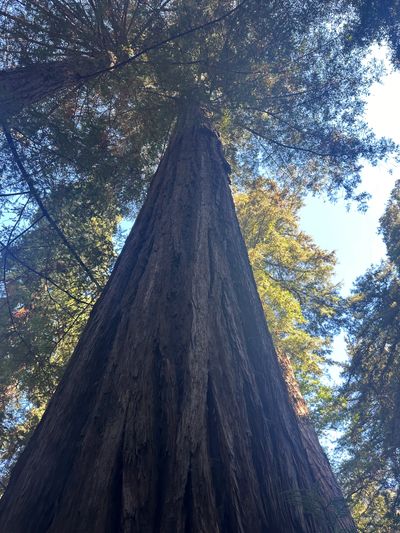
(324, 483)
(173, 415)
(21, 87)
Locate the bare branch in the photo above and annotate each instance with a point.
(23, 232)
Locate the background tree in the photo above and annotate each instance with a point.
(378, 21)
(371, 442)
(46, 299)
(301, 303)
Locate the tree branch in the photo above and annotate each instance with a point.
(40, 274)
(288, 146)
(42, 207)
(166, 41)
(3, 195)
(23, 232)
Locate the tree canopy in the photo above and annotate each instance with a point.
(295, 107)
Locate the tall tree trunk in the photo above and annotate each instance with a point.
(24, 86)
(173, 415)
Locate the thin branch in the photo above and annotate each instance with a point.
(23, 232)
(148, 22)
(70, 326)
(288, 146)
(15, 225)
(42, 207)
(2, 195)
(12, 254)
(49, 150)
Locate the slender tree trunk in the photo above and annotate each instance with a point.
(24, 86)
(173, 415)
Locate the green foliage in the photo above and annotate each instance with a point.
(294, 280)
(294, 107)
(370, 471)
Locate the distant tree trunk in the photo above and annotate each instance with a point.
(317, 459)
(173, 415)
(24, 86)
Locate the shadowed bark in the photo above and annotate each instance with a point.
(173, 415)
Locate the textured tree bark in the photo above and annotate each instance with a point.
(173, 415)
(319, 464)
(24, 86)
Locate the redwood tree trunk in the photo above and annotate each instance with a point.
(173, 415)
(24, 86)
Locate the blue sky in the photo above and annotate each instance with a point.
(352, 234)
